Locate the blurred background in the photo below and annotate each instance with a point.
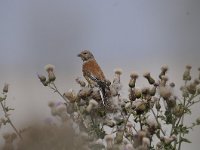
(135, 35)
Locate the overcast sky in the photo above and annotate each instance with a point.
(139, 35)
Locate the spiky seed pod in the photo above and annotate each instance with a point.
(5, 88)
(42, 78)
(51, 76)
(132, 83)
(152, 91)
(147, 75)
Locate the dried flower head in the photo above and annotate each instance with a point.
(191, 88)
(164, 68)
(134, 75)
(178, 111)
(85, 92)
(49, 68)
(81, 82)
(165, 92)
(118, 71)
(71, 95)
(186, 74)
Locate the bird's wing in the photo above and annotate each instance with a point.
(93, 71)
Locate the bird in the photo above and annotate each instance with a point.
(93, 74)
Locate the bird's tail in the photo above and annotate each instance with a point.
(104, 91)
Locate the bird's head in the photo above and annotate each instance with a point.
(86, 55)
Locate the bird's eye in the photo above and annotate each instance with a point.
(85, 53)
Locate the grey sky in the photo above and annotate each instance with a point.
(132, 34)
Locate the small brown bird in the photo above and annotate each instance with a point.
(93, 74)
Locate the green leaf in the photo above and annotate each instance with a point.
(185, 140)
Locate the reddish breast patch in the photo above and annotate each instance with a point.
(93, 68)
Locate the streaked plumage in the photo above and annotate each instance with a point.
(93, 73)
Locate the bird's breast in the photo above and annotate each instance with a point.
(91, 67)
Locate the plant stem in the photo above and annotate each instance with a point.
(157, 121)
(57, 91)
(10, 122)
(182, 117)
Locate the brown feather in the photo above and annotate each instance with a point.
(90, 67)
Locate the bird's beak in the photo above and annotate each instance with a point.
(79, 55)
